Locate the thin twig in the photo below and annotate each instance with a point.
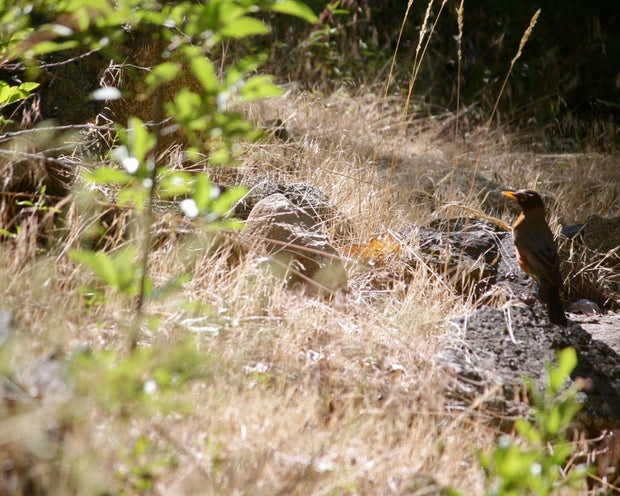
(37, 156)
(69, 127)
(508, 318)
(68, 61)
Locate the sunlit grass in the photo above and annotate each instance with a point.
(303, 395)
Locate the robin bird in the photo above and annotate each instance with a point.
(536, 251)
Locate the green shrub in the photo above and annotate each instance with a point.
(532, 461)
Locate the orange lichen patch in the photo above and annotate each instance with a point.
(377, 250)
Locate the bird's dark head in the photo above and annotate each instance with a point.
(526, 198)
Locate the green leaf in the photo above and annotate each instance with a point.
(561, 452)
(108, 175)
(140, 140)
(243, 27)
(553, 421)
(133, 196)
(235, 224)
(567, 361)
(259, 87)
(205, 73)
(224, 11)
(227, 199)
(28, 87)
(162, 376)
(100, 263)
(127, 273)
(527, 430)
(295, 8)
(221, 156)
(186, 104)
(10, 94)
(202, 192)
(162, 74)
(176, 183)
(45, 47)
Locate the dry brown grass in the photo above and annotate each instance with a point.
(303, 395)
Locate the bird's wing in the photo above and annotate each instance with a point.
(543, 260)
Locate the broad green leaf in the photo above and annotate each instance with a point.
(294, 8)
(162, 74)
(221, 156)
(140, 140)
(176, 183)
(84, 12)
(45, 47)
(227, 199)
(225, 12)
(100, 263)
(7, 93)
(243, 27)
(259, 87)
(205, 73)
(108, 175)
(10, 94)
(29, 86)
(186, 103)
(202, 192)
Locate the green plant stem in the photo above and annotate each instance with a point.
(158, 113)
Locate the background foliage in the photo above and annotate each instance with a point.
(567, 81)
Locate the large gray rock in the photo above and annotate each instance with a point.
(299, 248)
(490, 364)
(309, 198)
(473, 256)
(597, 233)
(478, 259)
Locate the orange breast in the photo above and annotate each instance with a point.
(522, 262)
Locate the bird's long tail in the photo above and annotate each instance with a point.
(551, 296)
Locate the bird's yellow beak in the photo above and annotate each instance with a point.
(510, 194)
